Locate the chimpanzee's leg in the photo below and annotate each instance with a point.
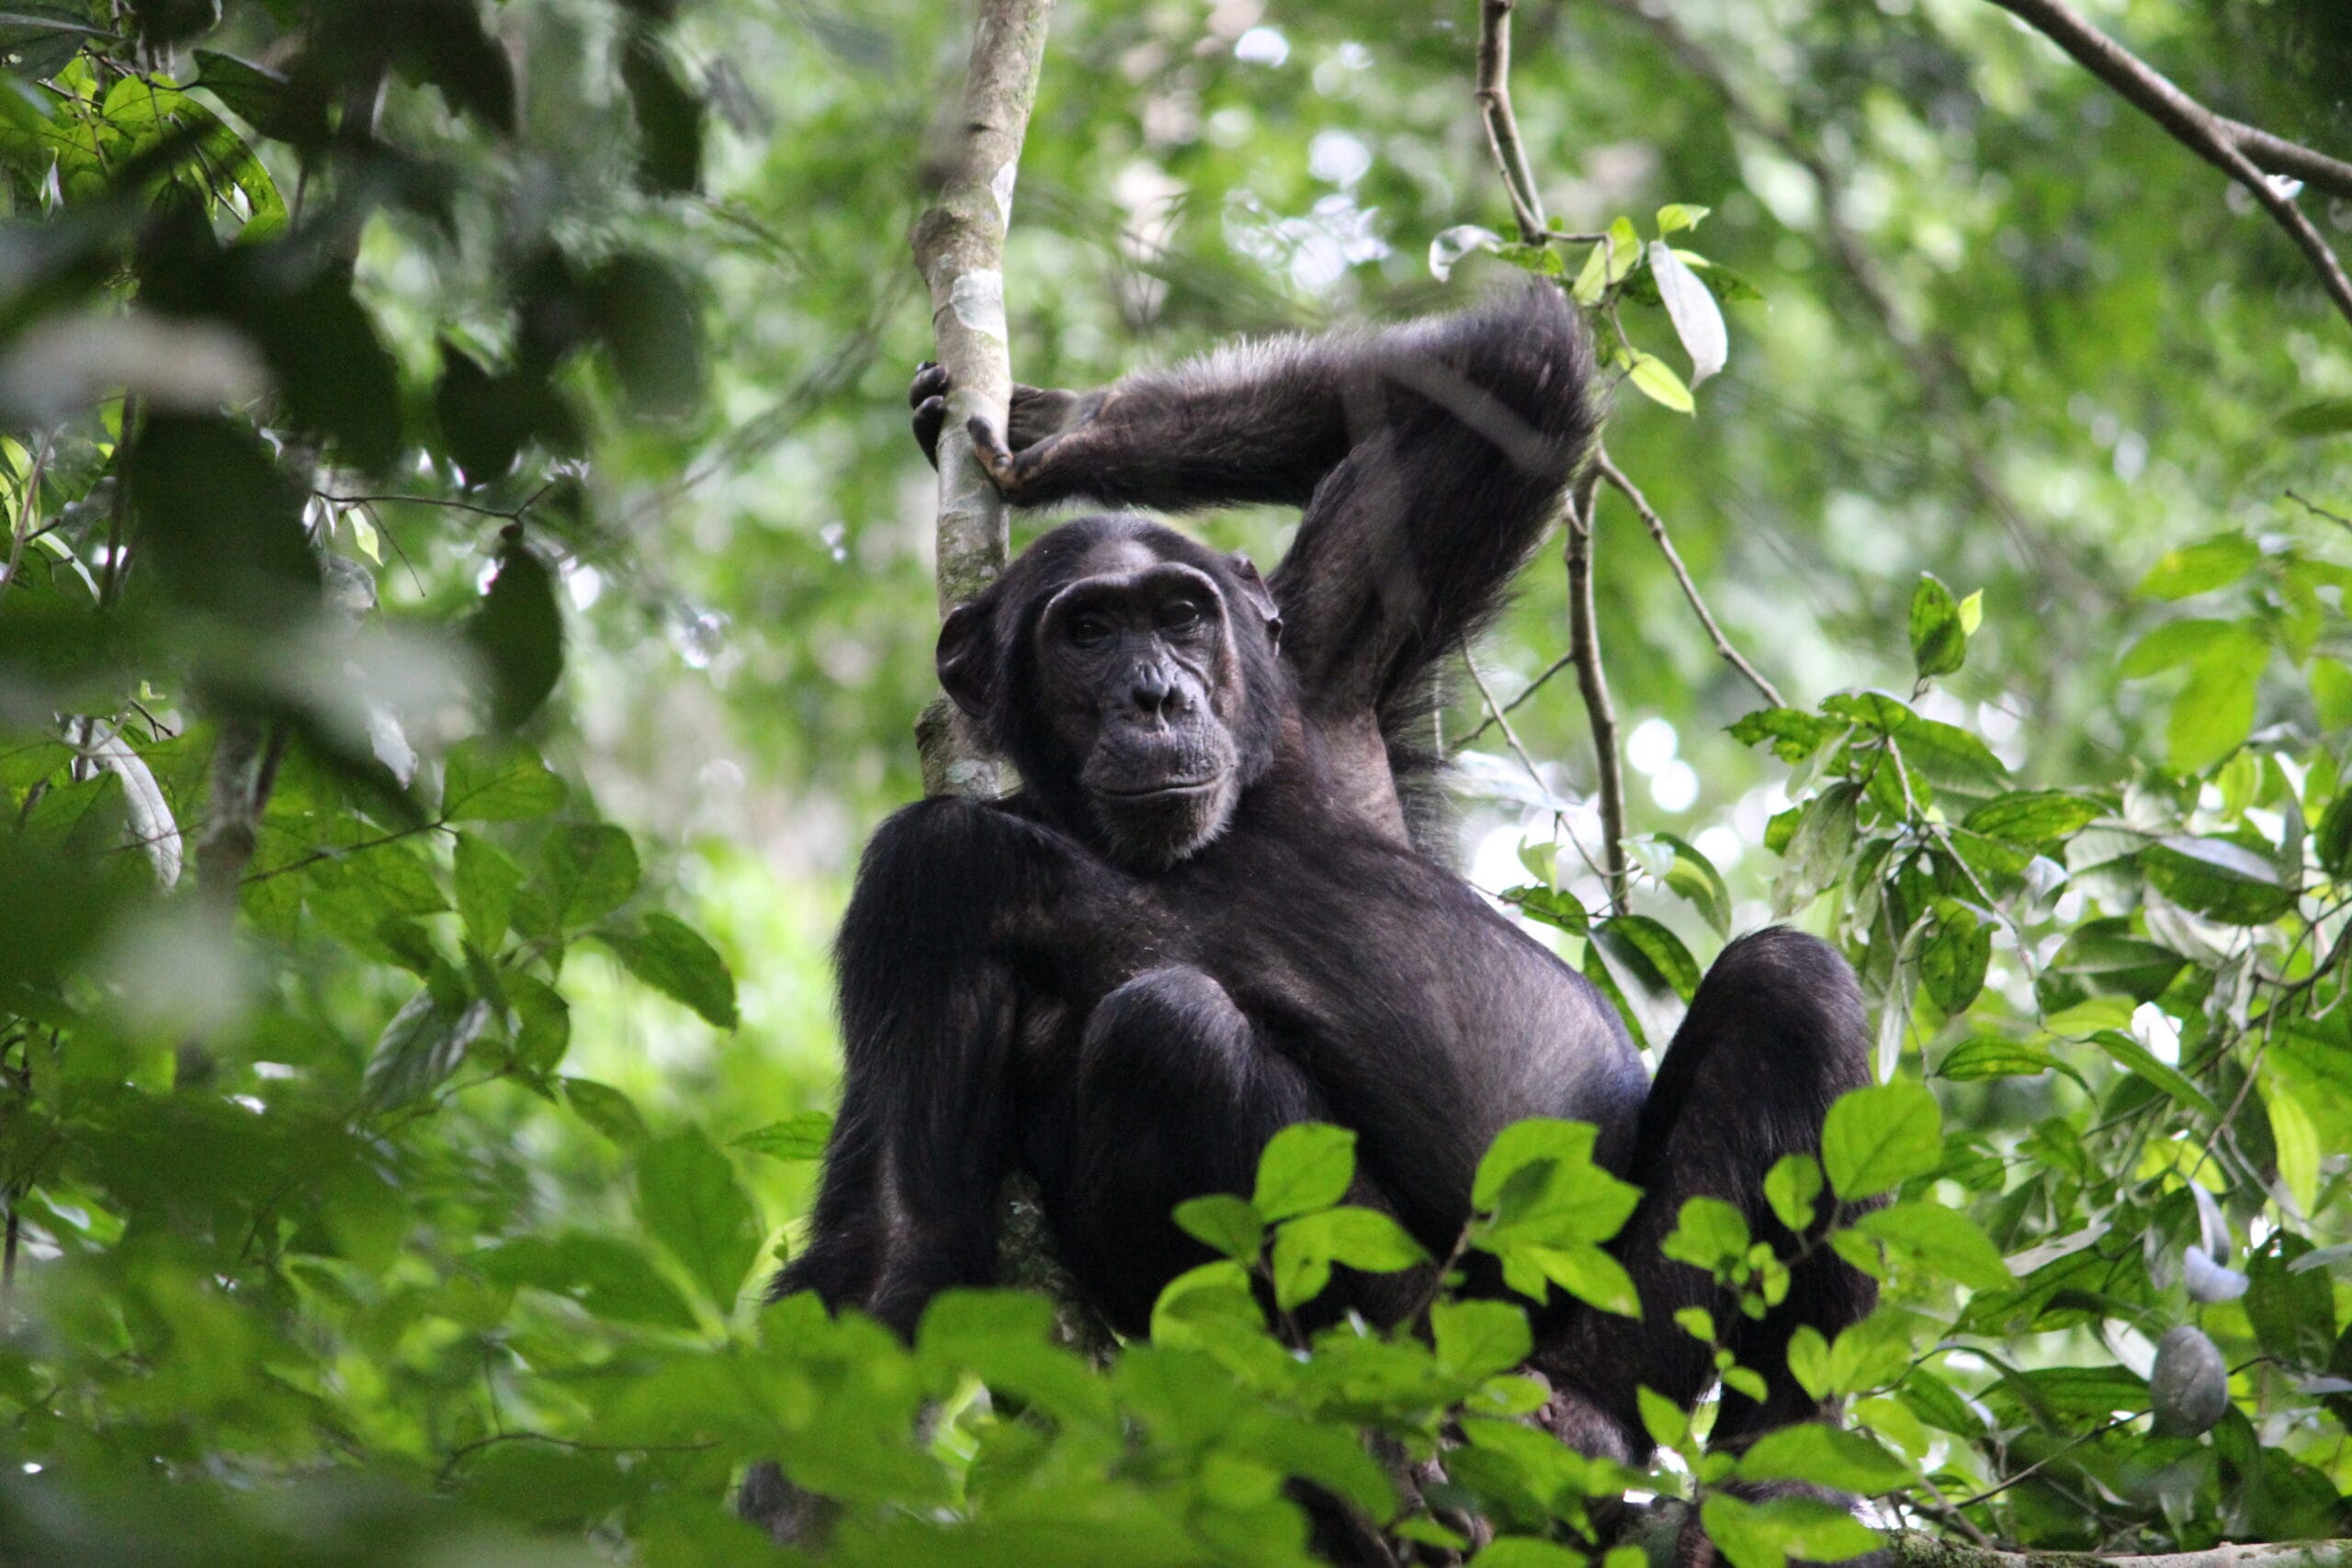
(1175, 1096)
(1775, 1033)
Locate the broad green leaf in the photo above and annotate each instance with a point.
(675, 959)
(2033, 817)
(2217, 879)
(1708, 1233)
(542, 1021)
(1939, 644)
(1825, 1456)
(1990, 1057)
(1794, 734)
(2296, 1138)
(690, 1199)
(1676, 215)
(1816, 857)
(1649, 947)
(498, 781)
(1808, 1357)
(1952, 964)
(1793, 1187)
(486, 881)
(1305, 1166)
(608, 1277)
(1876, 1139)
(2212, 716)
(1224, 1221)
(1693, 877)
(1359, 1238)
(1585, 1272)
(1658, 383)
(1766, 1534)
(1551, 907)
(421, 1048)
(605, 1109)
(1944, 1240)
(2129, 1054)
(2333, 841)
(799, 1136)
(517, 634)
(2196, 641)
(2332, 694)
(2325, 416)
(2200, 568)
(669, 118)
(589, 870)
(1479, 1338)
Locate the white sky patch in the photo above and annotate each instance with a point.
(1652, 745)
(1262, 46)
(1675, 786)
(1338, 158)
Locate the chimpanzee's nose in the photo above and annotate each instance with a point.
(1158, 695)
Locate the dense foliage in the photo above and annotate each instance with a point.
(465, 596)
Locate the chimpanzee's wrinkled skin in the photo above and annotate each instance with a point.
(1204, 916)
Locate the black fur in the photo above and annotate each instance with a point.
(1017, 991)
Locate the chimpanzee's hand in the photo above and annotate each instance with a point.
(1038, 413)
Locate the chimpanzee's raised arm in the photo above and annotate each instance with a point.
(1429, 457)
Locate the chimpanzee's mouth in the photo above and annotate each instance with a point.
(1163, 791)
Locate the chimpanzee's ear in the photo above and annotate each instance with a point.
(1259, 597)
(966, 656)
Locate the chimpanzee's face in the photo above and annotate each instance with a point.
(1138, 677)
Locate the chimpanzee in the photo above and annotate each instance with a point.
(1203, 916)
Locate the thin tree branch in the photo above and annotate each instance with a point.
(1656, 526)
(1584, 648)
(959, 248)
(1502, 125)
(1512, 707)
(2280, 156)
(2189, 122)
(1495, 712)
(1584, 630)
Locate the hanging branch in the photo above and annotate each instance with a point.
(2203, 132)
(1584, 651)
(1584, 631)
(1656, 526)
(959, 248)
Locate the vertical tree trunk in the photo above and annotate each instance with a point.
(959, 246)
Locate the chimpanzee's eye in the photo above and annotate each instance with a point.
(1179, 616)
(1087, 630)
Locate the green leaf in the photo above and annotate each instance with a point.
(518, 636)
(1939, 645)
(1876, 1139)
(1652, 951)
(1815, 857)
(1678, 215)
(1952, 964)
(651, 330)
(1791, 1187)
(2326, 416)
(543, 1022)
(1657, 382)
(261, 97)
(1808, 1357)
(2033, 817)
(605, 1109)
(1990, 1057)
(2217, 879)
(1551, 907)
(1708, 1233)
(1766, 1534)
(2212, 716)
(669, 118)
(1667, 1424)
(674, 959)
(1477, 1338)
(1944, 1240)
(608, 1277)
(589, 870)
(1359, 1238)
(1585, 1271)
(799, 1136)
(1694, 878)
(2129, 1054)
(2200, 568)
(1539, 1179)
(421, 1048)
(2332, 694)
(2333, 841)
(486, 881)
(1825, 1456)
(689, 1197)
(498, 781)
(2195, 641)
(1794, 734)
(1305, 1166)
(2293, 1313)
(1224, 1221)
